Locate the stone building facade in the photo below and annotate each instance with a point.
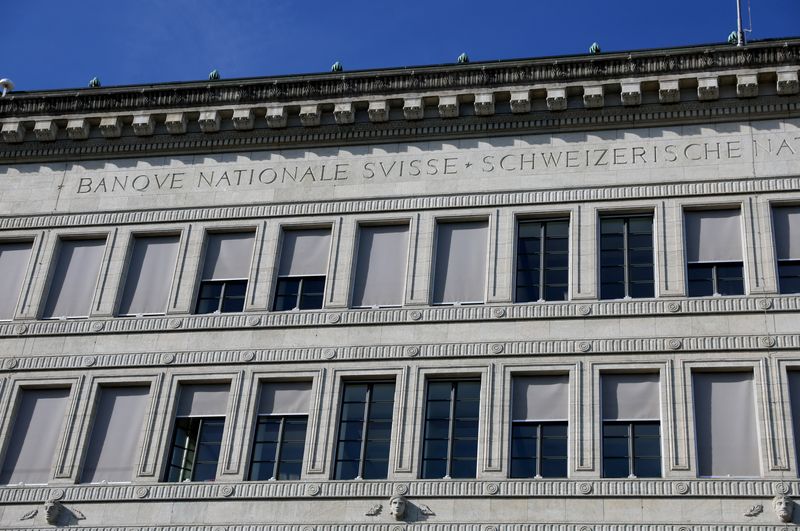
(545, 294)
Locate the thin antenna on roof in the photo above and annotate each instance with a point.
(739, 31)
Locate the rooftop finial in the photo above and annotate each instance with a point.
(463, 59)
(337, 67)
(213, 75)
(594, 49)
(94, 82)
(7, 85)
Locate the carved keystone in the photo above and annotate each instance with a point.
(448, 106)
(310, 115)
(484, 104)
(143, 124)
(378, 111)
(413, 108)
(707, 88)
(45, 130)
(788, 83)
(520, 102)
(13, 132)
(593, 97)
(78, 129)
(243, 119)
(209, 121)
(556, 99)
(176, 123)
(631, 94)
(747, 86)
(111, 127)
(276, 117)
(668, 91)
(344, 113)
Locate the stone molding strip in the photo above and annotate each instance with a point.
(437, 526)
(405, 204)
(423, 351)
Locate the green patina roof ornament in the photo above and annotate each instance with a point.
(733, 38)
(463, 59)
(94, 82)
(594, 49)
(337, 67)
(213, 75)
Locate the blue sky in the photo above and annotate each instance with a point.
(63, 44)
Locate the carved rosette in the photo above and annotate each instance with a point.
(584, 346)
(412, 351)
(781, 488)
(250, 355)
(499, 312)
(88, 361)
(415, 315)
(584, 309)
(674, 307)
(764, 304)
(168, 358)
(674, 343)
(767, 341)
(11, 363)
(334, 318)
(96, 326)
(681, 487)
(401, 489)
(226, 490)
(497, 348)
(492, 488)
(585, 488)
(254, 320)
(142, 492)
(329, 353)
(313, 489)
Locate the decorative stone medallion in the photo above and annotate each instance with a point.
(682, 487)
(497, 348)
(313, 489)
(781, 488)
(11, 363)
(415, 315)
(254, 320)
(585, 488)
(174, 323)
(329, 353)
(584, 309)
(334, 318)
(401, 488)
(499, 312)
(492, 488)
(767, 341)
(412, 351)
(674, 307)
(56, 494)
(490, 528)
(675, 343)
(226, 490)
(88, 361)
(764, 304)
(168, 358)
(584, 346)
(96, 326)
(20, 329)
(142, 492)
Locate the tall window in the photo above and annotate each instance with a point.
(787, 243)
(793, 377)
(280, 431)
(626, 257)
(714, 253)
(725, 424)
(197, 436)
(74, 278)
(365, 428)
(450, 444)
(542, 261)
(380, 266)
(116, 431)
(34, 434)
(302, 270)
(460, 263)
(539, 415)
(631, 426)
(14, 258)
(150, 272)
(225, 272)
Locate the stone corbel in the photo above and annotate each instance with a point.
(243, 119)
(13, 132)
(176, 123)
(593, 96)
(556, 99)
(310, 115)
(707, 88)
(378, 111)
(448, 106)
(111, 127)
(143, 124)
(209, 121)
(45, 130)
(747, 86)
(668, 91)
(631, 93)
(276, 117)
(78, 129)
(413, 108)
(788, 83)
(484, 103)
(520, 102)
(344, 113)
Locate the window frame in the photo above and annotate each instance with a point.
(625, 217)
(221, 300)
(538, 457)
(302, 279)
(201, 421)
(632, 454)
(278, 446)
(542, 256)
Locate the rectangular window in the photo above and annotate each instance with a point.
(302, 270)
(280, 437)
(225, 272)
(725, 424)
(461, 256)
(34, 435)
(539, 414)
(197, 437)
(14, 258)
(626, 257)
(794, 398)
(787, 247)
(113, 451)
(380, 266)
(631, 426)
(450, 443)
(150, 272)
(74, 278)
(365, 428)
(542, 261)
(714, 253)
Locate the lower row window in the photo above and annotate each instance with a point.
(450, 443)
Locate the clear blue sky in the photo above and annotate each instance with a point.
(63, 44)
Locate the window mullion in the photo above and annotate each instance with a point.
(625, 259)
(451, 429)
(193, 466)
(363, 452)
(714, 279)
(542, 261)
(631, 473)
(221, 297)
(538, 472)
(275, 467)
(299, 294)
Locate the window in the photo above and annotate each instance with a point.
(380, 266)
(542, 261)
(13, 264)
(539, 426)
(725, 424)
(280, 431)
(113, 451)
(450, 444)
(460, 269)
(714, 253)
(34, 435)
(794, 398)
(150, 271)
(787, 247)
(225, 272)
(74, 278)
(302, 270)
(197, 436)
(365, 428)
(626, 257)
(631, 426)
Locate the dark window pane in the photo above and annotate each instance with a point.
(652, 429)
(647, 468)
(351, 431)
(435, 449)
(463, 468)
(434, 469)
(264, 451)
(438, 410)
(232, 305)
(379, 430)
(554, 447)
(523, 447)
(523, 468)
(469, 390)
(383, 392)
(465, 448)
(554, 468)
(615, 468)
(439, 390)
(646, 447)
(349, 450)
(437, 429)
(375, 469)
(381, 410)
(205, 472)
(700, 280)
(261, 471)
(615, 430)
(286, 294)
(346, 469)
(290, 471)
(615, 447)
